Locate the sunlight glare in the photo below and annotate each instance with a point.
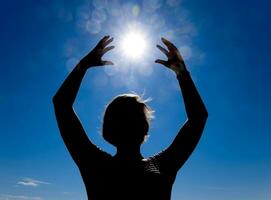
(134, 44)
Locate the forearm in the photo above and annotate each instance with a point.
(194, 105)
(189, 134)
(66, 94)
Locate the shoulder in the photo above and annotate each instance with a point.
(162, 162)
(95, 158)
(150, 165)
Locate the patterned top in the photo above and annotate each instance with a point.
(112, 178)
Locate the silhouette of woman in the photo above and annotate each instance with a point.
(128, 175)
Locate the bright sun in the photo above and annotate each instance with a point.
(134, 44)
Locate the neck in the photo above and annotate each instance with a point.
(129, 153)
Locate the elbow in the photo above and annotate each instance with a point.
(204, 114)
(55, 100)
(199, 117)
(60, 102)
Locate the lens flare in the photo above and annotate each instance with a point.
(134, 44)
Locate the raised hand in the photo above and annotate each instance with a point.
(94, 58)
(175, 61)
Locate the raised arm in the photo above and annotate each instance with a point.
(72, 132)
(188, 137)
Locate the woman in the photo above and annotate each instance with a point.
(127, 175)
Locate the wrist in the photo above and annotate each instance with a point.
(82, 65)
(180, 68)
(182, 73)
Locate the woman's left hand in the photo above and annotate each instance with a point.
(175, 61)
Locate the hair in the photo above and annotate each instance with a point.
(126, 120)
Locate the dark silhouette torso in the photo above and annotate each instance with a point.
(107, 177)
(113, 178)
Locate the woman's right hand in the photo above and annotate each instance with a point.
(94, 58)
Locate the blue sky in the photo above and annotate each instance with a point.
(226, 45)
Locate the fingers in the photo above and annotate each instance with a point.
(101, 46)
(107, 49)
(162, 49)
(169, 45)
(103, 40)
(166, 52)
(163, 62)
(108, 42)
(106, 62)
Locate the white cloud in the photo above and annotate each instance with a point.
(31, 182)
(18, 197)
(27, 183)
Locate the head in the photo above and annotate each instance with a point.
(126, 120)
